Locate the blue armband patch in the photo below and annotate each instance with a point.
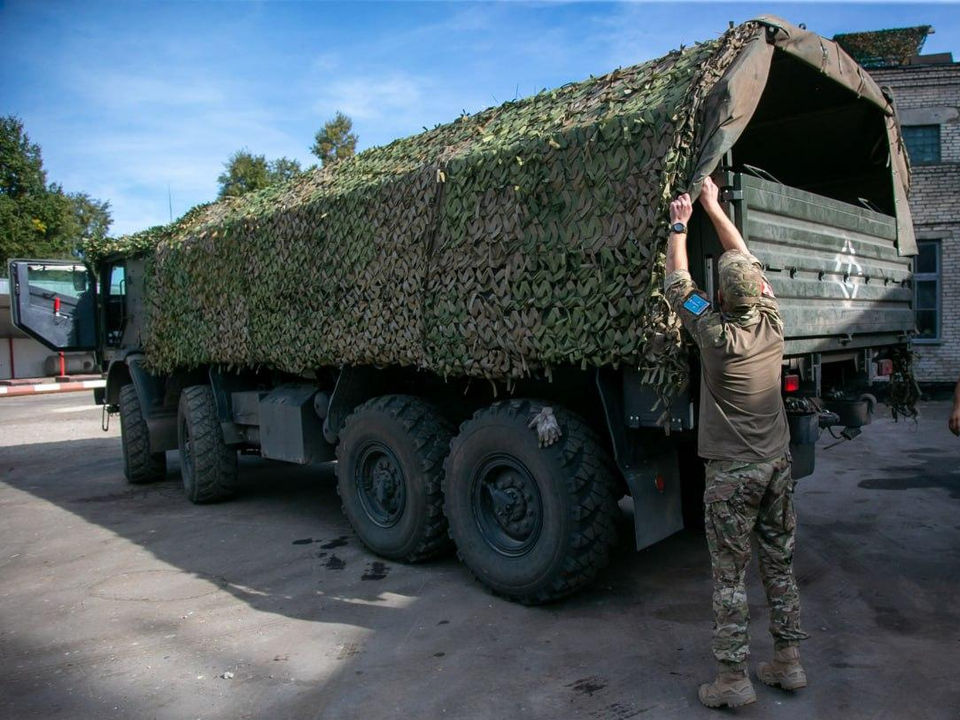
(696, 304)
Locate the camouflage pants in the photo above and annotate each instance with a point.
(741, 498)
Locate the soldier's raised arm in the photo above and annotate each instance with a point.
(730, 237)
(734, 245)
(687, 301)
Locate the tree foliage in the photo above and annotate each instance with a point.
(284, 168)
(335, 140)
(37, 219)
(92, 216)
(245, 172)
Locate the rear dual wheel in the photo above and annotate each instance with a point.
(532, 523)
(389, 471)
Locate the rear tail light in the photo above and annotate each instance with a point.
(791, 383)
(884, 368)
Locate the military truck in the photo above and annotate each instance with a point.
(482, 347)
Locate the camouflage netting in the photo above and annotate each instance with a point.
(884, 48)
(505, 243)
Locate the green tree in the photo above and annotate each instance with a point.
(92, 216)
(335, 140)
(245, 172)
(284, 168)
(37, 219)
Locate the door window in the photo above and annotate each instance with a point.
(116, 304)
(66, 283)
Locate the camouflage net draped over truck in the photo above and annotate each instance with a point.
(505, 243)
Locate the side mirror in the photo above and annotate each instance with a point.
(79, 280)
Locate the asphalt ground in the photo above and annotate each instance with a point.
(121, 601)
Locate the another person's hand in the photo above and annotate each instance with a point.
(709, 194)
(954, 422)
(681, 209)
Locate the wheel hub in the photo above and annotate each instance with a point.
(380, 485)
(507, 505)
(385, 483)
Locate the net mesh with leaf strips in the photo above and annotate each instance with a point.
(884, 48)
(500, 245)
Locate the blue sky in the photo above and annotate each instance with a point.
(129, 98)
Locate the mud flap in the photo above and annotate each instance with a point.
(657, 508)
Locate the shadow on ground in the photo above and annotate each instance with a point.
(375, 639)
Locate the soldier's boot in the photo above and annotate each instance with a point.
(785, 671)
(731, 688)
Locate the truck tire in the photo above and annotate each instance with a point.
(139, 464)
(208, 465)
(533, 524)
(389, 472)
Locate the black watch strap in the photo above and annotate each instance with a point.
(679, 228)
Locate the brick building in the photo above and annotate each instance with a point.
(926, 89)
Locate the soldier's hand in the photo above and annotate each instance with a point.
(710, 194)
(954, 422)
(681, 209)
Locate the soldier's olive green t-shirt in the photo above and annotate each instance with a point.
(741, 409)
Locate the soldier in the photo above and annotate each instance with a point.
(744, 438)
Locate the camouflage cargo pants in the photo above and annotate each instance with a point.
(741, 498)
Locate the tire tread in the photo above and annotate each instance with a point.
(590, 480)
(140, 465)
(431, 434)
(214, 462)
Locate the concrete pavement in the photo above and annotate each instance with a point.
(121, 601)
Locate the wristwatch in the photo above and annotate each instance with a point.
(679, 228)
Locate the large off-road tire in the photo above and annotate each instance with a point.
(389, 471)
(139, 464)
(533, 524)
(208, 465)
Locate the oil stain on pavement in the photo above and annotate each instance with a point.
(334, 563)
(375, 571)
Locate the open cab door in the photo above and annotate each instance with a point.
(55, 302)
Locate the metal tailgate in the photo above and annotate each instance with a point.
(834, 267)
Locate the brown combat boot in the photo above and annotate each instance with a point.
(785, 671)
(731, 688)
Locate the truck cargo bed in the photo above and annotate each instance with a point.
(834, 267)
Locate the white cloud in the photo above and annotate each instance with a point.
(366, 97)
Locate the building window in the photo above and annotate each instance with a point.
(926, 281)
(923, 143)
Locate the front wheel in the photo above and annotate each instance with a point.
(533, 524)
(139, 464)
(208, 465)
